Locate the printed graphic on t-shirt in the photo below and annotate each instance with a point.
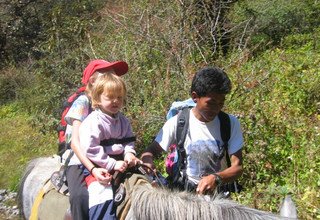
(79, 109)
(203, 157)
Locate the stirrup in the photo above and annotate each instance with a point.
(58, 181)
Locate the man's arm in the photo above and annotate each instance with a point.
(151, 152)
(208, 183)
(235, 170)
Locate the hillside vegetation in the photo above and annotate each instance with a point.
(270, 50)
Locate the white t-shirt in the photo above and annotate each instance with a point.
(203, 143)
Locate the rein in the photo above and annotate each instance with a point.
(155, 176)
(151, 175)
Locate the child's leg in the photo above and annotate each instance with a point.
(103, 211)
(79, 196)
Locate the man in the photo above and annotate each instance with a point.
(203, 143)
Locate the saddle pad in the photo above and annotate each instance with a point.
(53, 206)
(129, 183)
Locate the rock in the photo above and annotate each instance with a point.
(8, 211)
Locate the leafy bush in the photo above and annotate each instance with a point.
(12, 81)
(261, 24)
(280, 116)
(35, 29)
(20, 142)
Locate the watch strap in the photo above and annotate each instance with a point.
(218, 179)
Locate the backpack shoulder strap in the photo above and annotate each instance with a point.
(182, 126)
(181, 133)
(225, 131)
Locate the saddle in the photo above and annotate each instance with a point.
(124, 184)
(44, 201)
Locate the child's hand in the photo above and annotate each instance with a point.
(131, 159)
(120, 166)
(102, 176)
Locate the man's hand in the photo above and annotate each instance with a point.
(206, 185)
(154, 150)
(150, 168)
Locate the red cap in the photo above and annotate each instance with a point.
(119, 67)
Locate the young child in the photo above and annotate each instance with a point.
(203, 143)
(76, 114)
(106, 123)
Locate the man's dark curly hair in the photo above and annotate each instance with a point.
(210, 79)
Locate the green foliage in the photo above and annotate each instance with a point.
(20, 30)
(264, 23)
(279, 108)
(11, 83)
(37, 28)
(19, 143)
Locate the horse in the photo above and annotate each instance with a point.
(146, 201)
(37, 172)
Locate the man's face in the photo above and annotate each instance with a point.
(208, 106)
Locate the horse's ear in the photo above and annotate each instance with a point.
(288, 208)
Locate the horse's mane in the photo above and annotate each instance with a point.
(157, 203)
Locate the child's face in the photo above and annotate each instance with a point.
(208, 107)
(110, 104)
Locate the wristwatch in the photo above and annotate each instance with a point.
(218, 179)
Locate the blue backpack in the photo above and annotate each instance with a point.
(176, 159)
